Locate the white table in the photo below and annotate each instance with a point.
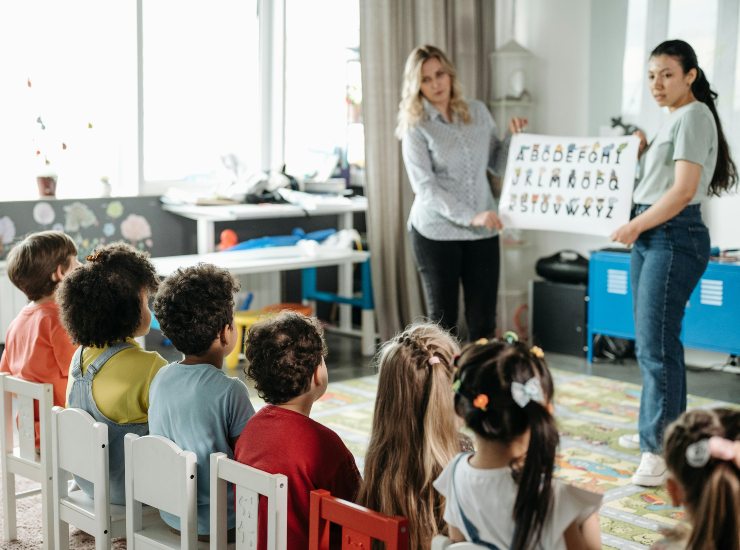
(207, 216)
(276, 259)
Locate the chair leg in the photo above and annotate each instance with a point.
(47, 514)
(10, 531)
(61, 535)
(102, 539)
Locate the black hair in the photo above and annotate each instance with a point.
(725, 171)
(484, 400)
(100, 301)
(194, 304)
(283, 353)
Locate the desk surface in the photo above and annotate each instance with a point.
(262, 260)
(264, 211)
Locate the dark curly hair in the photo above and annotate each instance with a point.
(194, 304)
(283, 353)
(33, 261)
(100, 302)
(484, 400)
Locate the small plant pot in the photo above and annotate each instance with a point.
(47, 186)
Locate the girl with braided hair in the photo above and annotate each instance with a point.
(688, 161)
(414, 432)
(503, 495)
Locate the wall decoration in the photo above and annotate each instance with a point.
(577, 185)
(43, 213)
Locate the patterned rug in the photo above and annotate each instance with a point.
(592, 413)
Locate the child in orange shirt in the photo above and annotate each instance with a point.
(37, 348)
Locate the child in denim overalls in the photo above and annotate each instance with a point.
(104, 306)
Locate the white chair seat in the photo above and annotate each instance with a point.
(79, 509)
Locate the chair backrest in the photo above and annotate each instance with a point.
(440, 542)
(162, 475)
(80, 448)
(25, 462)
(360, 525)
(250, 484)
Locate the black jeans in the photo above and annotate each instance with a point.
(443, 264)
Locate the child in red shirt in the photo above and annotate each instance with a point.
(37, 348)
(286, 361)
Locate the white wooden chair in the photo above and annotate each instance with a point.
(23, 460)
(80, 447)
(440, 542)
(164, 476)
(250, 484)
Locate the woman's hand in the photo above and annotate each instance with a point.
(627, 234)
(643, 142)
(488, 219)
(517, 125)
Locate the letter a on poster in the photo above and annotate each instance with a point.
(578, 185)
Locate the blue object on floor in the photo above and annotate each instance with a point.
(296, 235)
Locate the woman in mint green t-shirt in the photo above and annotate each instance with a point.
(687, 161)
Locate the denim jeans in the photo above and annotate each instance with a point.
(442, 265)
(666, 264)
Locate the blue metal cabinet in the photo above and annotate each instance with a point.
(712, 318)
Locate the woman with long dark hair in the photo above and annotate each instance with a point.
(687, 161)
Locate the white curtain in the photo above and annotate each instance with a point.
(389, 30)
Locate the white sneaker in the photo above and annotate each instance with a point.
(651, 472)
(629, 441)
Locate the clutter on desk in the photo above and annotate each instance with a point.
(724, 255)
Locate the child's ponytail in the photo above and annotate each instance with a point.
(503, 390)
(700, 451)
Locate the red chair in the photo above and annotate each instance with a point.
(360, 526)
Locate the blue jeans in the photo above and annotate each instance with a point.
(666, 264)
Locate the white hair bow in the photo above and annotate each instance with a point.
(530, 391)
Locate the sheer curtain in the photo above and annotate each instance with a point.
(389, 30)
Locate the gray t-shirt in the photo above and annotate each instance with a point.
(200, 408)
(690, 133)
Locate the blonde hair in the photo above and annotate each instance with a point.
(414, 434)
(411, 108)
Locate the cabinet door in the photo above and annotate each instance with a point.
(713, 313)
(610, 295)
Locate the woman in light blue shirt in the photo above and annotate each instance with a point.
(687, 161)
(448, 144)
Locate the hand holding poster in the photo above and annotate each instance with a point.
(579, 185)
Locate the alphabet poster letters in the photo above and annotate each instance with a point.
(578, 185)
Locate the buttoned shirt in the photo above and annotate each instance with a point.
(446, 163)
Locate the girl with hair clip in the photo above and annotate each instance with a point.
(503, 496)
(414, 433)
(702, 450)
(688, 161)
(448, 143)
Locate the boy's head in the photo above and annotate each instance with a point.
(38, 263)
(193, 306)
(106, 300)
(284, 354)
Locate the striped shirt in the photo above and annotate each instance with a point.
(446, 163)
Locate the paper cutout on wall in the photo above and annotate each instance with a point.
(43, 213)
(578, 185)
(78, 215)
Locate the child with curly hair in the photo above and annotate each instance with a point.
(286, 361)
(415, 430)
(193, 402)
(105, 305)
(503, 495)
(37, 348)
(702, 452)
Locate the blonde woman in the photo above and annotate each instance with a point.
(415, 431)
(448, 143)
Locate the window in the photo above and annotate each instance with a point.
(696, 23)
(323, 116)
(69, 97)
(200, 82)
(633, 72)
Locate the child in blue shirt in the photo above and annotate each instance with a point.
(193, 402)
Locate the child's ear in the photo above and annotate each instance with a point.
(675, 491)
(223, 334)
(58, 274)
(550, 408)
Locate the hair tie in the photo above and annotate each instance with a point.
(456, 385)
(531, 390)
(510, 337)
(481, 341)
(537, 352)
(433, 360)
(481, 401)
(94, 257)
(699, 453)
